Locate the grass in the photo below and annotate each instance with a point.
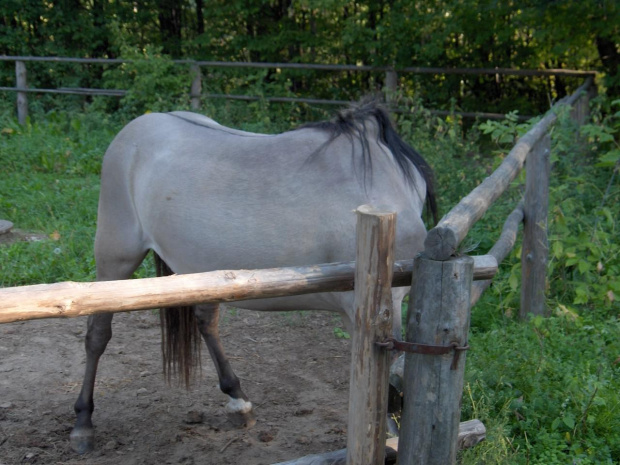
(546, 389)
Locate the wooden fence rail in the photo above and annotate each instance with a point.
(73, 299)
(443, 240)
(390, 80)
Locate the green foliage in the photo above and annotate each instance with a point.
(449, 33)
(153, 82)
(583, 224)
(341, 334)
(61, 143)
(506, 132)
(49, 185)
(62, 209)
(550, 383)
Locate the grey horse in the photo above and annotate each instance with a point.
(205, 197)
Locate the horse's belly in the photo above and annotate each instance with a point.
(322, 301)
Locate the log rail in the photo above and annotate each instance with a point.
(73, 299)
(443, 240)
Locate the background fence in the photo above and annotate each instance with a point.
(388, 76)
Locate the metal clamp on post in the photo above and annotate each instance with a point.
(425, 349)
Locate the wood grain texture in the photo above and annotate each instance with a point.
(73, 299)
(438, 314)
(535, 250)
(195, 92)
(370, 364)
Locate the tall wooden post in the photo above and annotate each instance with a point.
(535, 248)
(22, 98)
(370, 365)
(196, 89)
(433, 384)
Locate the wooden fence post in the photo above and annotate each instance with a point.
(433, 384)
(535, 248)
(196, 88)
(22, 98)
(370, 365)
(391, 85)
(581, 108)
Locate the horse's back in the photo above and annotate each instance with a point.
(207, 197)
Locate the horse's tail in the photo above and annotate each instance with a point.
(180, 338)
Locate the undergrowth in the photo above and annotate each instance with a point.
(546, 389)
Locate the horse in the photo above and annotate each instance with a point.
(202, 196)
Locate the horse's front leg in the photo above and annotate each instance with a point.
(239, 408)
(97, 337)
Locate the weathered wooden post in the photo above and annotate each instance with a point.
(581, 108)
(535, 248)
(370, 364)
(437, 325)
(22, 98)
(196, 88)
(391, 85)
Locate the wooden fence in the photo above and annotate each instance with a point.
(196, 94)
(442, 292)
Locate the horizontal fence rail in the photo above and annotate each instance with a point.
(73, 299)
(443, 240)
(322, 67)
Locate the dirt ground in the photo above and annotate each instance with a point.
(291, 366)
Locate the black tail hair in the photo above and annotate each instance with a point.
(180, 338)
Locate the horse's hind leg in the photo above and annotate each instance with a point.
(239, 408)
(97, 337)
(99, 333)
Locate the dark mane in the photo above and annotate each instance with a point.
(351, 122)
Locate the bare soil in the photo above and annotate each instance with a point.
(292, 367)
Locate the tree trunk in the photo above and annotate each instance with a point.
(102, 43)
(170, 25)
(200, 21)
(608, 53)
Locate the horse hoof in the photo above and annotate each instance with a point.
(82, 440)
(240, 413)
(242, 419)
